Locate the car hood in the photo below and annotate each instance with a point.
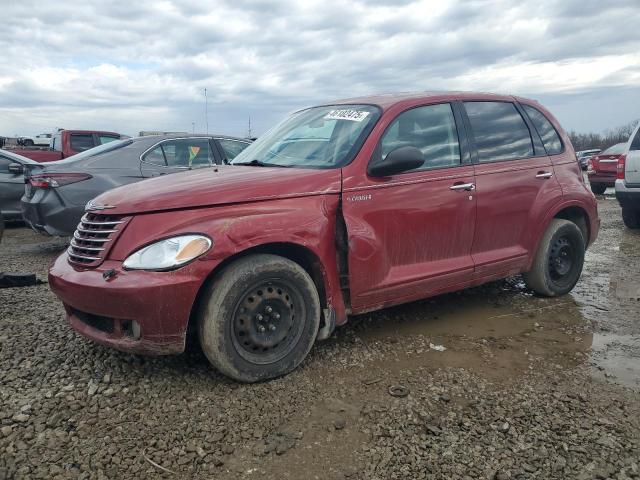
(217, 186)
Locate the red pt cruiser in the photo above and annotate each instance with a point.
(340, 209)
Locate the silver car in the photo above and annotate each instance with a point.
(12, 167)
(628, 181)
(56, 193)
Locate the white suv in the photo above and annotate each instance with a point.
(628, 181)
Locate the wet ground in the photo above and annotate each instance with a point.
(491, 382)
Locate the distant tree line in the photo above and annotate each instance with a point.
(587, 141)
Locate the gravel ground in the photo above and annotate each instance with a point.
(526, 387)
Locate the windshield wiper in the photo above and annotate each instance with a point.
(258, 163)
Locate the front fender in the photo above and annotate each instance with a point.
(308, 222)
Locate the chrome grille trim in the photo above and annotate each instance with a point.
(84, 257)
(87, 222)
(84, 230)
(85, 239)
(93, 238)
(82, 247)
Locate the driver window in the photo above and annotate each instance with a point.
(431, 129)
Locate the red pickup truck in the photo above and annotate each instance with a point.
(66, 143)
(340, 209)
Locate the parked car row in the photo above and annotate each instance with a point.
(584, 156)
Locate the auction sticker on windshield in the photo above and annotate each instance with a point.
(346, 114)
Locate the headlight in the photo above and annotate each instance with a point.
(168, 253)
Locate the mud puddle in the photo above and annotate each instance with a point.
(497, 330)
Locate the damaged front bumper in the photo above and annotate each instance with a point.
(132, 311)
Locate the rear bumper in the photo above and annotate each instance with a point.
(602, 178)
(47, 213)
(627, 196)
(104, 310)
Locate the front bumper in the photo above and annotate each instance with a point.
(104, 309)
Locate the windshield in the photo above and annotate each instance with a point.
(617, 149)
(105, 147)
(320, 137)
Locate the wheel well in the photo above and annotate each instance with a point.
(578, 216)
(294, 252)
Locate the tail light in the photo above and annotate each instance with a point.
(54, 180)
(622, 160)
(589, 166)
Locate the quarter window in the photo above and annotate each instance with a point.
(232, 147)
(156, 157)
(499, 130)
(550, 138)
(431, 129)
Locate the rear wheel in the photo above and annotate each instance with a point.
(28, 142)
(631, 218)
(558, 262)
(259, 318)
(598, 188)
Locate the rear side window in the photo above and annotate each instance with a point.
(184, 152)
(81, 142)
(499, 130)
(431, 129)
(635, 145)
(232, 147)
(550, 137)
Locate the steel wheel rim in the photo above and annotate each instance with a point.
(561, 258)
(267, 321)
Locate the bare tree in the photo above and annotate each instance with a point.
(587, 141)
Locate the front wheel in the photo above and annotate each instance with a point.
(558, 262)
(259, 318)
(598, 188)
(631, 218)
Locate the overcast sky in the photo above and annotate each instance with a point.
(144, 64)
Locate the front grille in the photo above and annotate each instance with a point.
(93, 238)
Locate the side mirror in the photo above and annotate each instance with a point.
(15, 168)
(398, 160)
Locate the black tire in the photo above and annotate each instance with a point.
(259, 318)
(598, 188)
(28, 142)
(1, 226)
(631, 218)
(558, 262)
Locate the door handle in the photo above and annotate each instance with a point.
(544, 175)
(463, 186)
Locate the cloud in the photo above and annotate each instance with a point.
(144, 65)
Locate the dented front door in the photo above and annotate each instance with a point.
(410, 234)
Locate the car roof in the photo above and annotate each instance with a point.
(190, 135)
(388, 100)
